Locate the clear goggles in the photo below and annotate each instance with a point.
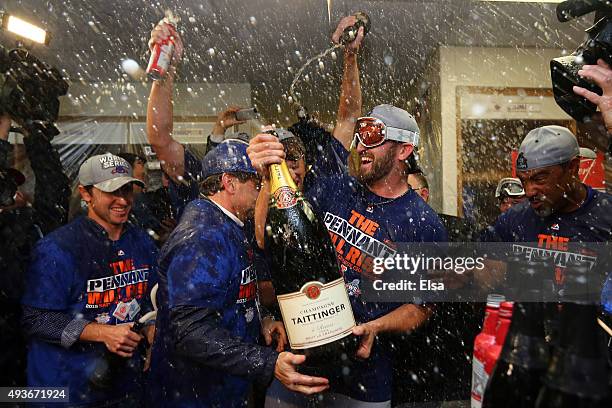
(509, 187)
(372, 132)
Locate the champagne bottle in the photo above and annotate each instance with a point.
(578, 371)
(516, 378)
(311, 293)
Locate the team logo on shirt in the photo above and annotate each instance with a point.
(103, 318)
(554, 227)
(558, 248)
(124, 284)
(249, 315)
(354, 241)
(248, 285)
(352, 287)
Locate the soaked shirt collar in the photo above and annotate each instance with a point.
(228, 213)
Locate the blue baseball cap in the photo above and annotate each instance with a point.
(230, 156)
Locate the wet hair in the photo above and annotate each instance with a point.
(421, 179)
(214, 184)
(294, 147)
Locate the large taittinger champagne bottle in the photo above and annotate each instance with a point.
(311, 293)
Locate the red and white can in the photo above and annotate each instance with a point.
(161, 57)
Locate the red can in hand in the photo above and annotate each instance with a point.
(161, 56)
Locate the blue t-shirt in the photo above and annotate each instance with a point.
(592, 222)
(207, 263)
(363, 226)
(78, 270)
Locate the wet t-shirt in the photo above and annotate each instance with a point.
(206, 263)
(79, 271)
(560, 233)
(362, 226)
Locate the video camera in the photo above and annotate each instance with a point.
(564, 70)
(29, 88)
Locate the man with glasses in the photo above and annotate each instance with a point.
(87, 283)
(206, 351)
(509, 192)
(376, 194)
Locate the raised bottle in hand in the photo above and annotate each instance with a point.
(311, 293)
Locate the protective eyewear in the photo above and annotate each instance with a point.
(372, 132)
(509, 187)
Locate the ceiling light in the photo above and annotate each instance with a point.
(24, 29)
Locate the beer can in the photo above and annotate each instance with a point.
(161, 57)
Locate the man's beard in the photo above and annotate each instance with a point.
(545, 208)
(379, 167)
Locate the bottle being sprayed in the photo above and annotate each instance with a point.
(162, 53)
(350, 33)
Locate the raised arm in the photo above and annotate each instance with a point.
(160, 110)
(225, 120)
(349, 107)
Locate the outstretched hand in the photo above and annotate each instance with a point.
(600, 74)
(285, 371)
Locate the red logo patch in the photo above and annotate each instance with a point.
(313, 292)
(285, 197)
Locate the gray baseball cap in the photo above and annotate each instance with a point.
(106, 172)
(547, 146)
(401, 120)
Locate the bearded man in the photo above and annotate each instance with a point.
(376, 200)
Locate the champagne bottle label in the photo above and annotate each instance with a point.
(285, 197)
(283, 189)
(316, 315)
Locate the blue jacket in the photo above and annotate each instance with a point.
(205, 352)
